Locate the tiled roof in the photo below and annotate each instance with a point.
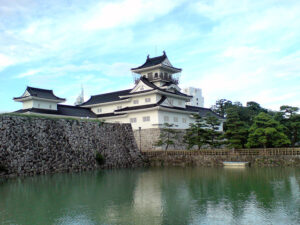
(107, 97)
(163, 98)
(153, 62)
(109, 115)
(150, 84)
(41, 93)
(63, 110)
(203, 111)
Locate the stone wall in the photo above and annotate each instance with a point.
(146, 139)
(34, 145)
(178, 159)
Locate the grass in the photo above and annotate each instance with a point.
(52, 117)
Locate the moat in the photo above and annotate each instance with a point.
(193, 195)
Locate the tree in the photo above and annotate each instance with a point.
(221, 106)
(237, 130)
(291, 120)
(167, 136)
(196, 133)
(213, 135)
(289, 110)
(266, 132)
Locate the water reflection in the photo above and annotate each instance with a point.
(155, 196)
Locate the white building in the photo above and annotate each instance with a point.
(198, 99)
(155, 99)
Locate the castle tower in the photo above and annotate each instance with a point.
(158, 70)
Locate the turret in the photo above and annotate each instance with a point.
(39, 98)
(158, 70)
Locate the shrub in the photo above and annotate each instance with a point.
(100, 159)
(2, 168)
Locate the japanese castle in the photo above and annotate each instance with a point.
(154, 100)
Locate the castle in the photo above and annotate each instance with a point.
(155, 99)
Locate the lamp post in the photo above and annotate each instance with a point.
(140, 129)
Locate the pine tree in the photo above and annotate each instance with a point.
(291, 120)
(167, 136)
(196, 134)
(213, 135)
(266, 132)
(237, 131)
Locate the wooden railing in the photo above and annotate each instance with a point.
(245, 152)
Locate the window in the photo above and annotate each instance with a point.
(39, 105)
(146, 118)
(132, 120)
(175, 119)
(156, 75)
(136, 101)
(119, 107)
(147, 99)
(99, 110)
(166, 118)
(184, 120)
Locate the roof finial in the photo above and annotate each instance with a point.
(164, 52)
(148, 56)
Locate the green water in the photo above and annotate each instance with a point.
(155, 196)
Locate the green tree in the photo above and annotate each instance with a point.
(167, 136)
(221, 106)
(237, 130)
(213, 135)
(266, 132)
(291, 120)
(196, 133)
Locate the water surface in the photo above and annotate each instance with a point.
(155, 196)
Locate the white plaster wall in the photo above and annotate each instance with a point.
(113, 106)
(27, 104)
(171, 101)
(44, 105)
(180, 124)
(153, 123)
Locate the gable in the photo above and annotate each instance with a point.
(173, 87)
(168, 102)
(141, 86)
(166, 62)
(26, 93)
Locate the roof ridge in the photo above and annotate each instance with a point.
(111, 92)
(71, 106)
(40, 88)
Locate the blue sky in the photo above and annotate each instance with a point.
(239, 50)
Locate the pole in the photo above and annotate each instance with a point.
(140, 138)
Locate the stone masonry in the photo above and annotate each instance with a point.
(146, 139)
(35, 145)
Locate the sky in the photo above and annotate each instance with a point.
(246, 50)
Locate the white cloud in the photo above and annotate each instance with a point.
(127, 12)
(28, 74)
(5, 61)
